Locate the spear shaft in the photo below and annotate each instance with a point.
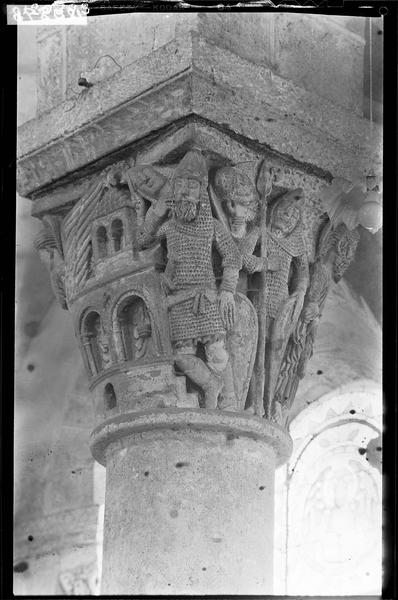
(262, 319)
(262, 304)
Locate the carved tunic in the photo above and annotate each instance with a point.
(189, 271)
(277, 281)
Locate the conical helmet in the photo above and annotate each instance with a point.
(193, 166)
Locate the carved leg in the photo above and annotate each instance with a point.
(194, 368)
(217, 361)
(228, 396)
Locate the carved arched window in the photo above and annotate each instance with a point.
(135, 328)
(109, 397)
(95, 344)
(102, 242)
(117, 234)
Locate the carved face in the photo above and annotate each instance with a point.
(186, 198)
(286, 216)
(239, 197)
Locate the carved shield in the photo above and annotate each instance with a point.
(282, 329)
(242, 345)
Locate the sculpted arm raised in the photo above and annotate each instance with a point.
(154, 228)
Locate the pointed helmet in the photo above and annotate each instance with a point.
(193, 166)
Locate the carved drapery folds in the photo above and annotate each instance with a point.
(95, 343)
(201, 267)
(134, 329)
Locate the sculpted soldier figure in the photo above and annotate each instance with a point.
(280, 296)
(199, 312)
(335, 252)
(278, 293)
(285, 245)
(240, 201)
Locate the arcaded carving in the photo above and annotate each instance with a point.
(136, 329)
(95, 343)
(197, 283)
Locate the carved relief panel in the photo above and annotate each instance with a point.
(218, 270)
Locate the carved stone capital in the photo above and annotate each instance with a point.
(196, 280)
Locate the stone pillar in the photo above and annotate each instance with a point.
(193, 342)
(187, 493)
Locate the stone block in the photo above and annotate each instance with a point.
(287, 43)
(191, 76)
(322, 58)
(51, 68)
(98, 50)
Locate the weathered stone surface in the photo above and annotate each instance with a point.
(163, 149)
(51, 80)
(114, 429)
(98, 50)
(175, 493)
(337, 78)
(282, 42)
(272, 112)
(159, 67)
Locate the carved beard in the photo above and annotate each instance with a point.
(186, 211)
(238, 226)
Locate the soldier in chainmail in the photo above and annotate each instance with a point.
(286, 276)
(335, 252)
(199, 311)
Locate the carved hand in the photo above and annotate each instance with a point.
(310, 312)
(162, 206)
(299, 297)
(226, 303)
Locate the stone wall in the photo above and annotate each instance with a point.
(286, 43)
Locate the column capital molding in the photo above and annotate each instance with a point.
(233, 425)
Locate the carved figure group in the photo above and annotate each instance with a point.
(243, 302)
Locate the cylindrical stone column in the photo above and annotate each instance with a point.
(189, 505)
